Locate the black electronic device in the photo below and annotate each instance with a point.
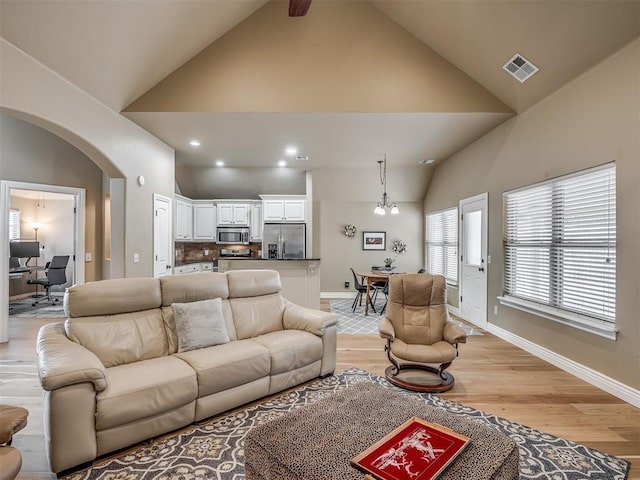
(24, 249)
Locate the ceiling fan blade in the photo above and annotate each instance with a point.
(298, 8)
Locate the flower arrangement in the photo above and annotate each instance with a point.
(349, 231)
(399, 246)
(388, 262)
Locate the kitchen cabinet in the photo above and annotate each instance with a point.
(233, 213)
(190, 268)
(184, 219)
(256, 223)
(204, 220)
(283, 210)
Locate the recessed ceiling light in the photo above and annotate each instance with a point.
(194, 143)
(219, 163)
(291, 150)
(282, 163)
(426, 162)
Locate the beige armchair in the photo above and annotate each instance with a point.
(419, 336)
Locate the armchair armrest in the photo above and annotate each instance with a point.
(386, 329)
(307, 319)
(454, 334)
(62, 362)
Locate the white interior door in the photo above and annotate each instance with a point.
(162, 246)
(473, 259)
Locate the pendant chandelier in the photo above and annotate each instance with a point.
(385, 202)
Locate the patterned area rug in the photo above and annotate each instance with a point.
(214, 449)
(44, 309)
(350, 323)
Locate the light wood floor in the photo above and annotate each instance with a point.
(491, 375)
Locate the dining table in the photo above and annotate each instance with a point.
(369, 277)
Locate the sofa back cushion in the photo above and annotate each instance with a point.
(193, 287)
(253, 283)
(255, 316)
(110, 297)
(121, 338)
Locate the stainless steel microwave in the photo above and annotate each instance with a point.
(233, 235)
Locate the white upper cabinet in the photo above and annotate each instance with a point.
(256, 223)
(283, 209)
(233, 214)
(294, 210)
(204, 221)
(184, 219)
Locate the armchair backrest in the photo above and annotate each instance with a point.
(417, 307)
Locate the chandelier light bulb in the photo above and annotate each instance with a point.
(395, 210)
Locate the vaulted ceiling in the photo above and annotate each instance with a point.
(350, 81)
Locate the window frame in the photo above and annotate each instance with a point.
(556, 309)
(444, 244)
(15, 217)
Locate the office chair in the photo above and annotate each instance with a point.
(55, 275)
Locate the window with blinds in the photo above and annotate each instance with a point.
(560, 245)
(442, 244)
(14, 224)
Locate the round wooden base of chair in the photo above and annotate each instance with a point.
(419, 378)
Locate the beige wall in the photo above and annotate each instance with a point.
(339, 253)
(346, 56)
(31, 154)
(592, 120)
(121, 149)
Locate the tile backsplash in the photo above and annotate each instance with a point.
(187, 252)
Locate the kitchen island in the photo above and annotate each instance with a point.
(300, 277)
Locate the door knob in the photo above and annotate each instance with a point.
(481, 269)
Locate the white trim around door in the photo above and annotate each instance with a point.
(79, 224)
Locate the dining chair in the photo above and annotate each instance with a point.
(362, 290)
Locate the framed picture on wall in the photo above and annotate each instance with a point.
(374, 240)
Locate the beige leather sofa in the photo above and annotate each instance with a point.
(113, 376)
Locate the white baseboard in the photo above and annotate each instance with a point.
(453, 310)
(350, 295)
(608, 384)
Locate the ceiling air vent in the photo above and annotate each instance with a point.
(302, 157)
(520, 68)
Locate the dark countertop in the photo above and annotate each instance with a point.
(272, 259)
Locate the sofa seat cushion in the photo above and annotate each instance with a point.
(144, 389)
(291, 349)
(227, 366)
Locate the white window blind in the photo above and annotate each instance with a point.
(560, 244)
(14, 224)
(442, 244)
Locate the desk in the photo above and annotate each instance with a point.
(370, 277)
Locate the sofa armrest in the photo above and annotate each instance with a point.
(307, 319)
(62, 362)
(454, 334)
(386, 330)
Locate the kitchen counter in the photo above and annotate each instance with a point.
(258, 259)
(300, 277)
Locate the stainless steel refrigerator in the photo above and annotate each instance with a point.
(283, 241)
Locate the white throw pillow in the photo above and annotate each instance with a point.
(199, 324)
